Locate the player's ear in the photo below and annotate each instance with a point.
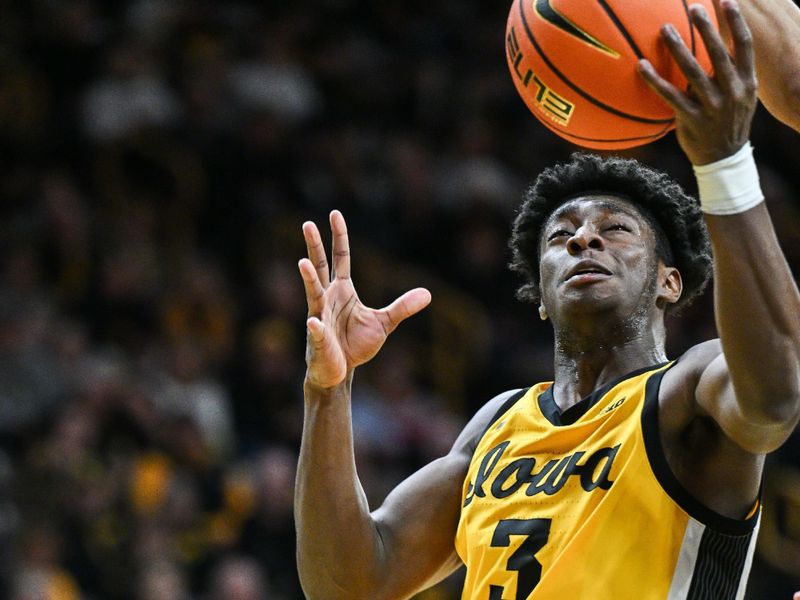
(670, 285)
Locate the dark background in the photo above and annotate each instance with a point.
(157, 161)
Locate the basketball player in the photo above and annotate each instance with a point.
(631, 476)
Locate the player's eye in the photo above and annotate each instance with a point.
(558, 233)
(618, 227)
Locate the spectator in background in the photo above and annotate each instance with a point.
(162, 581)
(239, 578)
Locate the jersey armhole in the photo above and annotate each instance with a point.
(668, 480)
(504, 408)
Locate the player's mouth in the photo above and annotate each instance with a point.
(587, 271)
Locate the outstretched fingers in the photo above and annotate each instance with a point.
(742, 40)
(698, 79)
(314, 288)
(677, 100)
(316, 252)
(405, 306)
(341, 246)
(724, 69)
(728, 75)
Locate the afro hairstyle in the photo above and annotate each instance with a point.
(681, 234)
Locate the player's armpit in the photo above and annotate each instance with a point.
(699, 385)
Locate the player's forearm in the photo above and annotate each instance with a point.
(775, 25)
(757, 309)
(337, 544)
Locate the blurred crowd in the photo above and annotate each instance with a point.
(158, 159)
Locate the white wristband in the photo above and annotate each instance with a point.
(729, 186)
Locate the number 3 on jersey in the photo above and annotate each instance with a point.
(523, 560)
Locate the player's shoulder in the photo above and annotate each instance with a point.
(485, 416)
(691, 364)
(676, 394)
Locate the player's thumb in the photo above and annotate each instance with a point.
(405, 306)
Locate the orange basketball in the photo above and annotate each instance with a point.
(574, 64)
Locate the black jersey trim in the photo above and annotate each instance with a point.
(504, 408)
(552, 412)
(669, 482)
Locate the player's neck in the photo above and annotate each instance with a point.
(581, 368)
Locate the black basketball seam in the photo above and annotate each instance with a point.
(653, 137)
(614, 19)
(574, 87)
(691, 26)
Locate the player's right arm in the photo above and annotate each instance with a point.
(344, 550)
(775, 26)
(404, 546)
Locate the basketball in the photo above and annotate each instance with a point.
(574, 63)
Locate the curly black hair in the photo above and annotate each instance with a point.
(681, 235)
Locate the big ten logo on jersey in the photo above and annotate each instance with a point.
(556, 107)
(592, 472)
(616, 404)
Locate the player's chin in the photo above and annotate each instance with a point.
(591, 298)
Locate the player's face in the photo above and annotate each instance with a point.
(598, 254)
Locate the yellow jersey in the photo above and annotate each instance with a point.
(583, 505)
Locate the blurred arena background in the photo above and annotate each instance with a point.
(158, 158)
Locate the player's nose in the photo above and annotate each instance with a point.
(584, 238)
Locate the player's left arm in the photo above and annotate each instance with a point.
(752, 389)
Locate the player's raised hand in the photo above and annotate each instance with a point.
(713, 119)
(342, 332)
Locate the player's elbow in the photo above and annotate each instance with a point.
(793, 107)
(787, 107)
(792, 93)
(318, 585)
(794, 120)
(322, 581)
